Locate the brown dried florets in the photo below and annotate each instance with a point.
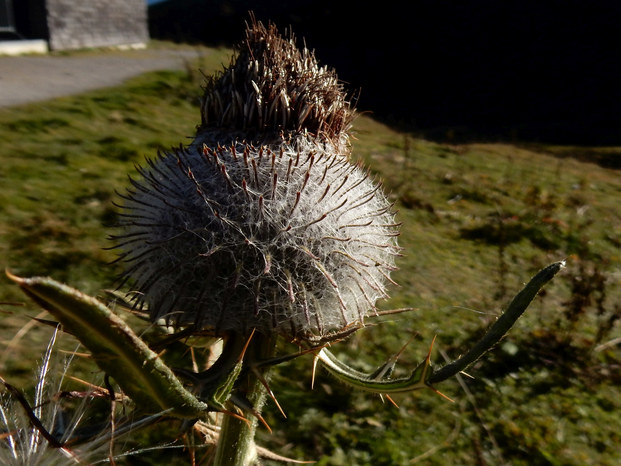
(271, 85)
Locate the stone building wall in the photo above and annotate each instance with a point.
(96, 23)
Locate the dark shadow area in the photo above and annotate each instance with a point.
(452, 71)
(23, 19)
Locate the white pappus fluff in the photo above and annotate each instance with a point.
(22, 443)
(262, 222)
(293, 239)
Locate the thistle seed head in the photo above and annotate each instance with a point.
(262, 221)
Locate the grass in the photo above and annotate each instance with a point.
(478, 221)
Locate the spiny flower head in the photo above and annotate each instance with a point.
(262, 222)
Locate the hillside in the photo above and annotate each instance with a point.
(478, 220)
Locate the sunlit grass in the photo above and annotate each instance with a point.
(478, 221)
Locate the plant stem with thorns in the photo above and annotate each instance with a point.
(236, 444)
(260, 228)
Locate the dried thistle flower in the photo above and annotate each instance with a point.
(262, 221)
(272, 86)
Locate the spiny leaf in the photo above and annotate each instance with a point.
(116, 349)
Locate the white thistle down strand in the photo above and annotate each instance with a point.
(262, 222)
(79, 437)
(22, 443)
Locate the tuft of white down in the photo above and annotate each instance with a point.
(287, 237)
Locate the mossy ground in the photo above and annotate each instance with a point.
(478, 221)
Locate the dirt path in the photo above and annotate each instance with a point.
(26, 79)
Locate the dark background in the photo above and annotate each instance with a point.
(544, 71)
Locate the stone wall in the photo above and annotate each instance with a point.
(96, 23)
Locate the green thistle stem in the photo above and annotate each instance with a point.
(236, 446)
(502, 325)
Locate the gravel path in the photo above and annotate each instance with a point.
(33, 78)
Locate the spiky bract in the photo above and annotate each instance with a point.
(262, 222)
(271, 85)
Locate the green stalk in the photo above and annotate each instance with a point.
(423, 376)
(236, 445)
(504, 323)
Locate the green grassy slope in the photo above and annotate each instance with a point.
(478, 221)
